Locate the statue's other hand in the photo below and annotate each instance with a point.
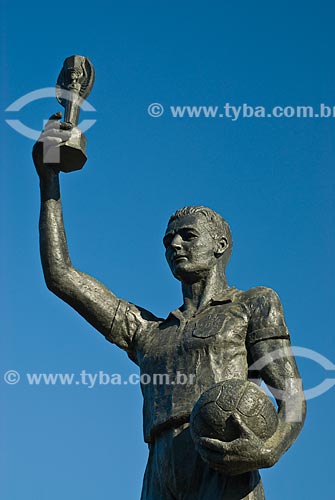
(246, 453)
(45, 149)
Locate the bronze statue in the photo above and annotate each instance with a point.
(219, 334)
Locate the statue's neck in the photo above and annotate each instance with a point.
(197, 295)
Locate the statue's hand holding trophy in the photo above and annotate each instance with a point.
(62, 145)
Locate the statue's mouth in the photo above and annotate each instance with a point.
(177, 258)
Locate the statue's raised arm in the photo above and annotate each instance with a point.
(84, 293)
(61, 147)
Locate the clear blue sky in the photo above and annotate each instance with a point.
(273, 179)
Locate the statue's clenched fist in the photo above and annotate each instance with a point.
(60, 147)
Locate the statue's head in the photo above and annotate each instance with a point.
(196, 240)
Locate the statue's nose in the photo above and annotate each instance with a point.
(176, 242)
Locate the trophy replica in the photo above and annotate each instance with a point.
(74, 84)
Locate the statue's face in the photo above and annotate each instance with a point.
(190, 248)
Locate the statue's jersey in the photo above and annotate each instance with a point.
(180, 358)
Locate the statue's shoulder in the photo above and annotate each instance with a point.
(259, 296)
(127, 310)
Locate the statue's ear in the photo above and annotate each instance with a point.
(221, 246)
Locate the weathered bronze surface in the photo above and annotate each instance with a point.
(219, 334)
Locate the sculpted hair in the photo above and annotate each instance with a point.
(218, 226)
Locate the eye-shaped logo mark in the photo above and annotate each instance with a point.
(294, 385)
(36, 95)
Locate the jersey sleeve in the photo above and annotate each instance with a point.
(266, 317)
(128, 322)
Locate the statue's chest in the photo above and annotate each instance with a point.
(181, 342)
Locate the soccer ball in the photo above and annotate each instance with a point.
(211, 415)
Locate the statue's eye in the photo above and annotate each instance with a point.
(188, 235)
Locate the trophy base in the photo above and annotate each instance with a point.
(68, 156)
(72, 155)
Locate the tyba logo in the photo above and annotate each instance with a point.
(36, 95)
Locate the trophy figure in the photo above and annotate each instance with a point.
(74, 84)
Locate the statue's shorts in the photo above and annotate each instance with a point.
(175, 471)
